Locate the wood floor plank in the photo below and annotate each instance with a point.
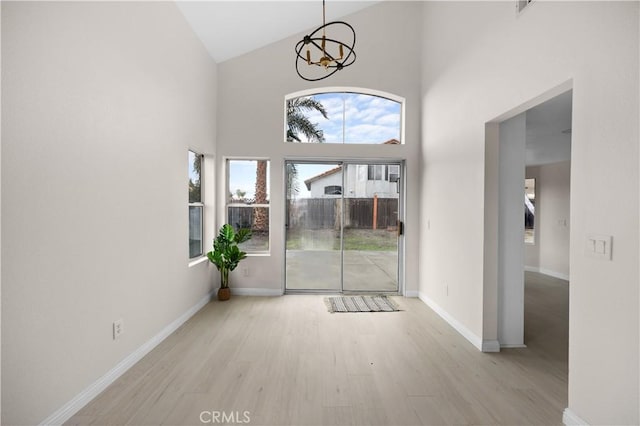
(287, 361)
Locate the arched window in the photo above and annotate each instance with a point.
(345, 117)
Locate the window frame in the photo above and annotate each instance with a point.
(377, 172)
(228, 200)
(199, 205)
(391, 173)
(348, 90)
(333, 190)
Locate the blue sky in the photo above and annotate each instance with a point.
(242, 176)
(369, 119)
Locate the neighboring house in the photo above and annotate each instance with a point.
(360, 180)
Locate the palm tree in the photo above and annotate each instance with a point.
(297, 124)
(260, 216)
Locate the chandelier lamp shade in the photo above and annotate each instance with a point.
(319, 56)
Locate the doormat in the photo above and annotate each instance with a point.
(379, 303)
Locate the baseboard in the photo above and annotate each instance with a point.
(411, 293)
(554, 274)
(83, 398)
(513, 346)
(242, 291)
(457, 325)
(490, 346)
(548, 272)
(570, 418)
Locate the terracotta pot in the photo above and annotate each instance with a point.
(224, 293)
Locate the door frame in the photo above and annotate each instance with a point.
(401, 217)
(491, 277)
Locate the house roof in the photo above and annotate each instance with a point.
(309, 181)
(312, 179)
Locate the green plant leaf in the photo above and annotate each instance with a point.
(226, 254)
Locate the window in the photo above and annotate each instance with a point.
(248, 201)
(529, 210)
(196, 206)
(333, 190)
(394, 173)
(376, 172)
(343, 117)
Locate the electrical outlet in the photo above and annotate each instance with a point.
(245, 271)
(118, 328)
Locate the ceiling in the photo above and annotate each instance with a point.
(549, 131)
(232, 28)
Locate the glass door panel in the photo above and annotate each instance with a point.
(370, 221)
(313, 255)
(342, 227)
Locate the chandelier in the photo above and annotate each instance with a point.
(323, 53)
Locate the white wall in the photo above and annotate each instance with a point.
(480, 61)
(101, 101)
(253, 87)
(317, 186)
(550, 252)
(511, 232)
(0, 220)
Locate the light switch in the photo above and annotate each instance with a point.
(598, 246)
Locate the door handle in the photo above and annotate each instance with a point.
(400, 226)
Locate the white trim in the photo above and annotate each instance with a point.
(570, 418)
(65, 412)
(345, 89)
(513, 345)
(554, 274)
(490, 346)
(549, 94)
(457, 325)
(412, 293)
(198, 261)
(548, 272)
(244, 291)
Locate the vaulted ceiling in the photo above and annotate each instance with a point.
(231, 28)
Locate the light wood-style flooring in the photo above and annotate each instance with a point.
(287, 361)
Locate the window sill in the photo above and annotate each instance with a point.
(197, 261)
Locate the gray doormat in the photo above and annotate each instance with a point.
(379, 303)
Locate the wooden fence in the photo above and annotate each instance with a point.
(323, 213)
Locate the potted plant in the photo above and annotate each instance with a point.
(226, 255)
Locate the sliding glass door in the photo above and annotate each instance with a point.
(342, 226)
(313, 227)
(370, 233)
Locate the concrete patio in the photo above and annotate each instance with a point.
(372, 271)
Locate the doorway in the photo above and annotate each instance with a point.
(533, 141)
(343, 227)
